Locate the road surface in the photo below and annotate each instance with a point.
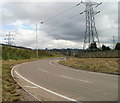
(47, 80)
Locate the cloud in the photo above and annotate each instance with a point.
(62, 31)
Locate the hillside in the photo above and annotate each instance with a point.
(16, 53)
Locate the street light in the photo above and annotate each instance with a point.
(36, 39)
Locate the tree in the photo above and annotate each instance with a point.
(93, 46)
(104, 48)
(117, 47)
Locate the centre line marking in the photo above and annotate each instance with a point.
(75, 79)
(55, 93)
(44, 70)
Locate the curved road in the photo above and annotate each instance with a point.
(49, 81)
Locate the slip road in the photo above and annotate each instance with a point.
(49, 81)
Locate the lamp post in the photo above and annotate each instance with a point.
(36, 43)
(37, 54)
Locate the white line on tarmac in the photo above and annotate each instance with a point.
(44, 70)
(67, 77)
(12, 74)
(75, 79)
(30, 86)
(55, 93)
(50, 62)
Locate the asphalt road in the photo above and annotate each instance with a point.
(49, 81)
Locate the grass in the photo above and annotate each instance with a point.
(0, 81)
(12, 56)
(9, 86)
(106, 65)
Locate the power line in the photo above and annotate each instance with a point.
(67, 19)
(61, 13)
(63, 21)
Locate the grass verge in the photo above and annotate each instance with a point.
(9, 86)
(104, 65)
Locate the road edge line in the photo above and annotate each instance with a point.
(12, 70)
(55, 93)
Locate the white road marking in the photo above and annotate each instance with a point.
(67, 77)
(12, 74)
(82, 70)
(75, 79)
(55, 93)
(30, 87)
(52, 63)
(44, 70)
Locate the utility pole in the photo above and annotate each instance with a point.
(113, 42)
(91, 35)
(37, 53)
(36, 43)
(9, 39)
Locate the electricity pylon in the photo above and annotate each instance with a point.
(9, 39)
(91, 40)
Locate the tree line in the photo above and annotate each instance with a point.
(117, 47)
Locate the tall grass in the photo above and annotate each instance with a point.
(12, 56)
(14, 53)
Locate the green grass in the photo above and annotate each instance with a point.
(13, 56)
(0, 81)
(17, 54)
(106, 65)
(9, 86)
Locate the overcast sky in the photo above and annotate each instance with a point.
(60, 29)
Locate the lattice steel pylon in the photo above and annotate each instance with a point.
(9, 39)
(91, 40)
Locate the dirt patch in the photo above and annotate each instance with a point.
(24, 96)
